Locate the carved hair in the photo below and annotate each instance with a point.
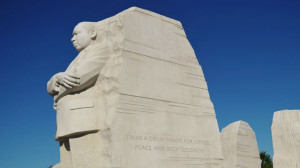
(88, 26)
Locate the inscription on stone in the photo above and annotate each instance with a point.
(166, 143)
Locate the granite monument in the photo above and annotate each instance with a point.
(239, 146)
(134, 97)
(286, 139)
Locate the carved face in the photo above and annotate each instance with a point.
(81, 38)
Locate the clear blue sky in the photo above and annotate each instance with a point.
(249, 51)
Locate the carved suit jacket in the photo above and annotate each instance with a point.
(78, 108)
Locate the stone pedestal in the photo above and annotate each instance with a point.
(239, 146)
(286, 139)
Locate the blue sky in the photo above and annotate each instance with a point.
(249, 52)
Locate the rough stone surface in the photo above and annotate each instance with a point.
(239, 146)
(56, 166)
(286, 139)
(153, 105)
(164, 116)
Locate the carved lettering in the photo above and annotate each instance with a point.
(167, 143)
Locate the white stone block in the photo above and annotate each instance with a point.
(286, 139)
(239, 146)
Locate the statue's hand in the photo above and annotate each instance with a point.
(68, 80)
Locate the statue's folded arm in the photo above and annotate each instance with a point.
(87, 70)
(52, 86)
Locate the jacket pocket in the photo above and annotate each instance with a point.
(81, 103)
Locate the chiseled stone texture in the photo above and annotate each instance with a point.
(286, 139)
(239, 146)
(162, 115)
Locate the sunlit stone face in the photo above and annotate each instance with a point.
(81, 38)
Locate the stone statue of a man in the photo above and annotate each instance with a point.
(76, 101)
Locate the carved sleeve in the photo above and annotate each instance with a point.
(88, 70)
(53, 86)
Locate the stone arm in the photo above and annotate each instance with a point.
(88, 71)
(53, 86)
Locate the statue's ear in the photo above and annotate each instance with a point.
(93, 34)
